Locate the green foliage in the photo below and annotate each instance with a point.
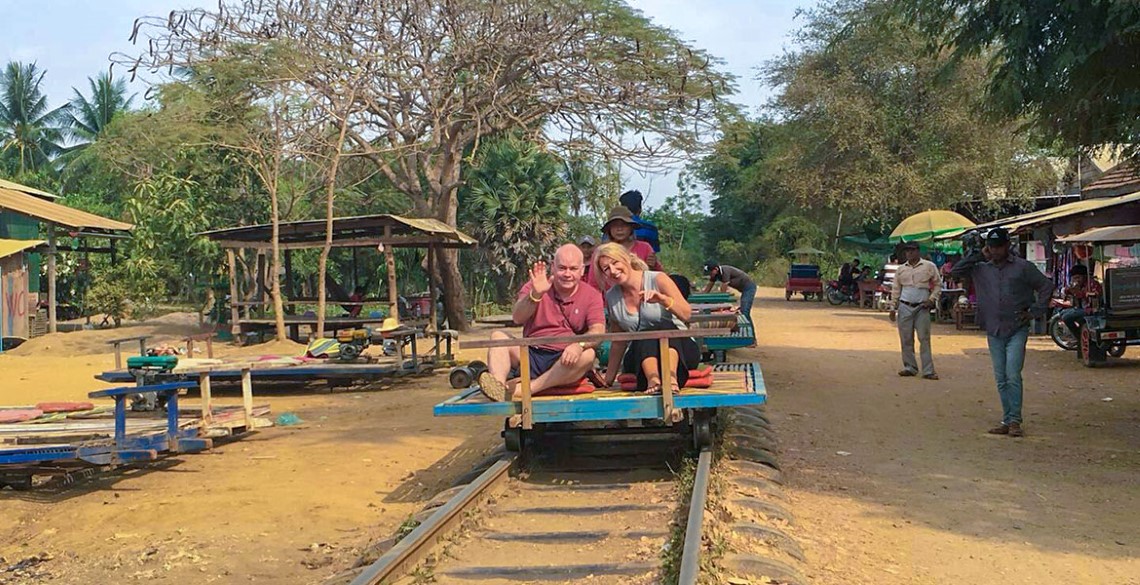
(167, 212)
(31, 134)
(122, 292)
(680, 225)
(515, 205)
(89, 116)
(1068, 67)
(875, 123)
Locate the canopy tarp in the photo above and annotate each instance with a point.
(886, 246)
(1112, 234)
(928, 225)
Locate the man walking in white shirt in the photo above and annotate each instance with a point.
(916, 289)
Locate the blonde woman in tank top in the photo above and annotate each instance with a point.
(638, 299)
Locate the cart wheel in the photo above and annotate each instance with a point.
(787, 295)
(702, 430)
(461, 377)
(477, 367)
(512, 437)
(1117, 350)
(349, 351)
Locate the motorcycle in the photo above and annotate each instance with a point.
(837, 295)
(1065, 338)
(1058, 331)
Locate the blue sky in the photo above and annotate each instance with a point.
(72, 39)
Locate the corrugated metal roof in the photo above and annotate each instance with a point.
(25, 204)
(1105, 235)
(26, 189)
(1016, 222)
(9, 247)
(347, 231)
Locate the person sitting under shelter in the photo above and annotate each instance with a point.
(1085, 295)
(548, 307)
(644, 300)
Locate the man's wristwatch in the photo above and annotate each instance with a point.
(582, 345)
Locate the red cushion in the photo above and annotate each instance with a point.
(702, 378)
(64, 406)
(583, 386)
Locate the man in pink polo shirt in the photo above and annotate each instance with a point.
(549, 307)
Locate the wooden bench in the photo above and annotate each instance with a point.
(117, 343)
(207, 337)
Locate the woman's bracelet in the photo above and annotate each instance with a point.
(530, 296)
(669, 307)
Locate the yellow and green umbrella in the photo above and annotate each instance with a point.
(928, 225)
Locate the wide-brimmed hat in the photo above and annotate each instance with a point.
(620, 213)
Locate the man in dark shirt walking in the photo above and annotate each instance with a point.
(1011, 292)
(731, 276)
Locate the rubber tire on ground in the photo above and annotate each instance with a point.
(461, 377)
(1117, 350)
(702, 430)
(787, 295)
(513, 437)
(834, 297)
(1061, 335)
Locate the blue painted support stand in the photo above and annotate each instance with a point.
(146, 448)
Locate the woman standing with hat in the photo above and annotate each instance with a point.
(619, 229)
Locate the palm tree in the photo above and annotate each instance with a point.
(30, 133)
(89, 118)
(514, 203)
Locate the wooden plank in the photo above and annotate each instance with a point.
(394, 241)
(592, 338)
(524, 384)
(666, 364)
(247, 396)
(207, 397)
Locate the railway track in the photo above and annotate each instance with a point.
(586, 509)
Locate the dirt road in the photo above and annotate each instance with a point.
(921, 494)
(286, 506)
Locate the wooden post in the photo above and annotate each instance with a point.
(390, 264)
(524, 385)
(207, 398)
(52, 325)
(247, 396)
(235, 315)
(432, 313)
(113, 255)
(666, 364)
(289, 293)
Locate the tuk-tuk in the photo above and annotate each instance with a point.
(804, 275)
(1116, 324)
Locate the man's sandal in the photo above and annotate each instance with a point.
(930, 377)
(492, 388)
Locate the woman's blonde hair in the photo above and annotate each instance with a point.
(615, 251)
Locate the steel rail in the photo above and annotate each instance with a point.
(691, 554)
(402, 558)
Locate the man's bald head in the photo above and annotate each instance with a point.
(568, 265)
(569, 254)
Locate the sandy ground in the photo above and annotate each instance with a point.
(287, 505)
(925, 496)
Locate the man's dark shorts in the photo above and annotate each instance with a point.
(541, 360)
